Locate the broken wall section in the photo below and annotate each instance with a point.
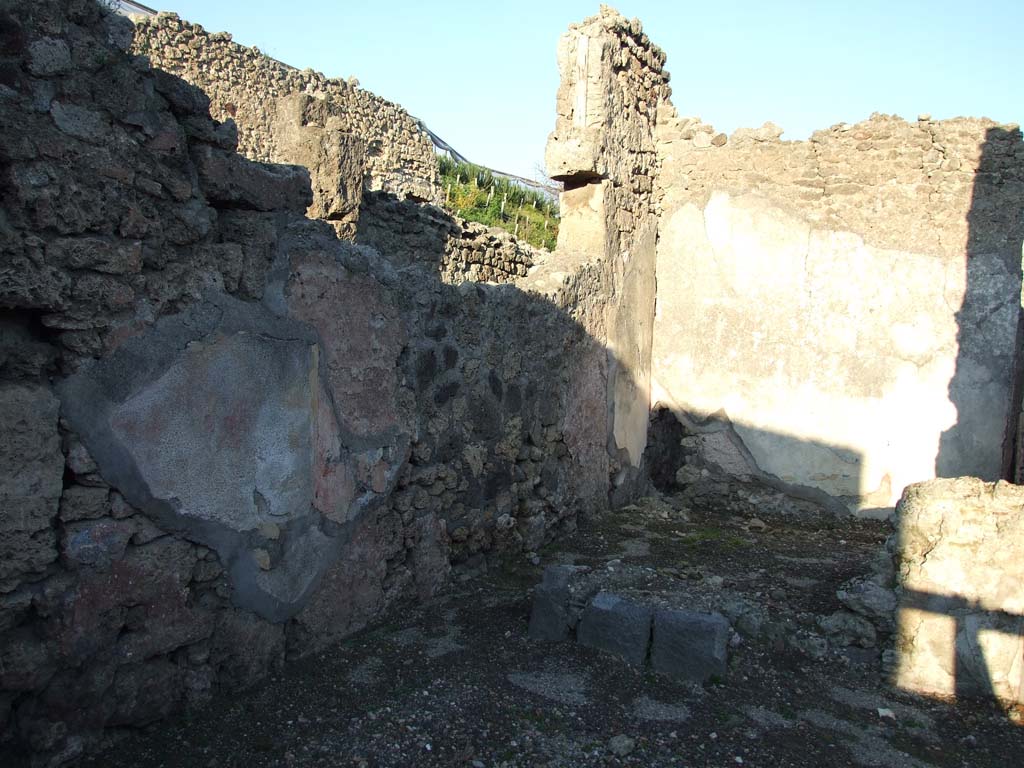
(457, 249)
(846, 307)
(122, 202)
(227, 436)
(350, 140)
(960, 620)
(603, 149)
(243, 84)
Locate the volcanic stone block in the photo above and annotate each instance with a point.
(690, 646)
(233, 181)
(97, 543)
(550, 618)
(30, 486)
(616, 625)
(870, 599)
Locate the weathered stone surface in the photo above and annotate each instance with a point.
(242, 84)
(235, 182)
(30, 484)
(314, 134)
(429, 555)
(352, 591)
(361, 362)
(77, 457)
(80, 122)
(689, 646)
(551, 617)
(48, 56)
(460, 250)
(22, 355)
(142, 693)
(616, 625)
(846, 628)
(190, 443)
(146, 591)
(596, 108)
(961, 608)
(95, 543)
(849, 282)
(99, 254)
(603, 147)
(246, 647)
(80, 503)
(867, 597)
(25, 663)
(183, 97)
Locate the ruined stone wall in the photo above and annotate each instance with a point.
(960, 614)
(846, 306)
(227, 436)
(603, 149)
(349, 139)
(122, 202)
(457, 249)
(244, 84)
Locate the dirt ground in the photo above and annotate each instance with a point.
(457, 681)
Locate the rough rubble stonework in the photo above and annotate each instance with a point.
(457, 249)
(603, 150)
(960, 620)
(352, 142)
(246, 85)
(237, 437)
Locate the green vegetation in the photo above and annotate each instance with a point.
(478, 195)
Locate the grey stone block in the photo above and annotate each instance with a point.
(97, 543)
(550, 617)
(690, 646)
(617, 625)
(231, 180)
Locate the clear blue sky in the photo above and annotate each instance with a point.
(483, 76)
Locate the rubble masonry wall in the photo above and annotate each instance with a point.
(603, 150)
(244, 83)
(228, 437)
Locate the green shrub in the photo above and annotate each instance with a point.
(479, 195)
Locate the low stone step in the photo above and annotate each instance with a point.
(569, 604)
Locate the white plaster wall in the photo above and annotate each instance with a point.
(831, 357)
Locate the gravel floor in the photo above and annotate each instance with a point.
(457, 681)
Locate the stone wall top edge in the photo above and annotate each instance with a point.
(165, 19)
(769, 132)
(611, 21)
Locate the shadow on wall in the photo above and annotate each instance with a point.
(477, 410)
(960, 609)
(413, 232)
(971, 635)
(716, 449)
(960, 629)
(406, 230)
(986, 432)
(301, 432)
(953, 593)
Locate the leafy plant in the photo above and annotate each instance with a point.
(479, 195)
